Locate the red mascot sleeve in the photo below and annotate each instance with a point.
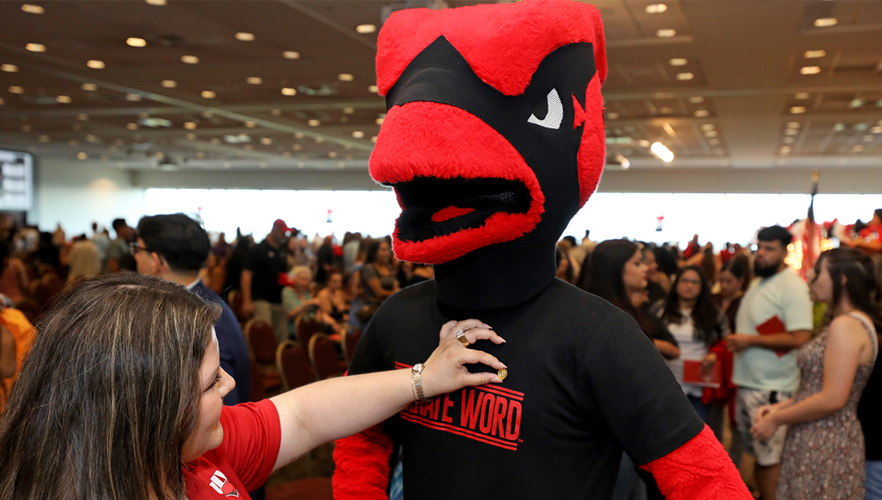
(362, 465)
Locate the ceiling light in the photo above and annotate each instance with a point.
(190, 136)
(131, 126)
(82, 117)
(244, 36)
(332, 154)
(291, 54)
(685, 76)
(63, 99)
(710, 133)
(208, 94)
(876, 130)
(861, 126)
(612, 115)
(91, 138)
(27, 128)
(655, 8)
(839, 127)
(43, 138)
(701, 113)
(346, 77)
(266, 141)
(785, 150)
(190, 125)
(666, 33)
(663, 153)
(15, 89)
(791, 131)
(365, 28)
(276, 112)
(313, 123)
(95, 64)
(624, 162)
(856, 103)
(379, 121)
(665, 111)
(136, 42)
(289, 91)
(797, 110)
(793, 124)
(707, 126)
(789, 140)
(814, 54)
(825, 22)
(200, 154)
(299, 135)
(297, 147)
(254, 80)
(89, 87)
(32, 9)
(868, 138)
(810, 70)
(133, 97)
(76, 127)
(9, 68)
(214, 140)
(35, 47)
(250, 124)
(696, 99)
(169, 84)
(374, 89)
(155, 2)
(348, 110)
(358, 134)
(82, 156)
(801, 95)
(73, 142)
(190, 59)
(374, 139)
(713, 141)
(857, 148)
(678, 61)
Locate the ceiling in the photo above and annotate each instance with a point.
(727, 90)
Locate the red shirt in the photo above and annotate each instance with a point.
(245, 459)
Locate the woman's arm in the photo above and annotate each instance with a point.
(7, 353)
(377, 288)
(846, 340)
(324, 301)
(331, 409)
(667, 349)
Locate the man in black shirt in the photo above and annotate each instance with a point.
(262, 279)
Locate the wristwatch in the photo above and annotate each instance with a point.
(417, 371)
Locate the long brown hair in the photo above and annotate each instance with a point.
(862, 286)
(108, 394)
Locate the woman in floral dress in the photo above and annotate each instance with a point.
(824, 453)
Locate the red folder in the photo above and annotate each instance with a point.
(772, 326)
(694, 375)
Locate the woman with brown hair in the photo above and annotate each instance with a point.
(121, 398)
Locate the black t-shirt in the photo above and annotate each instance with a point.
(266, 264)
(869, 412)
(584, 382)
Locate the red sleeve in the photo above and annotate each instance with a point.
(361, 464)
(699, 470)
(252, 436)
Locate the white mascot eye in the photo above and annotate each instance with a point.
(554, 115)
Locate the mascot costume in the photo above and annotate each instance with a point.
(493, 140)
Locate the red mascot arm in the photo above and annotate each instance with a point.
(361, 464)
(699, 470)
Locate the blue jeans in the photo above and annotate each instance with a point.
(874, 480)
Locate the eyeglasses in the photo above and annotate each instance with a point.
(690, 281)
(134, 248)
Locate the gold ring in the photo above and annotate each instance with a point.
(460, 336)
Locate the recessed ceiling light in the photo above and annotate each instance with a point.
(825, 22)
(190, 59)
(346, 77)
(134, 41)
(797, 110)
(9, 68)
(793, 124)
(35, 47)
(91, 138)
(358, 134)
(169, 84)
(348, 110)
(785, 149)
(868, 138)
(82, 117)
(379, 121)
(156, 2)
(707, 126)
(299, 135)
(250, 124)
(43, 138)
(332, 154)
(244, 36)
(685, 76)
(877, 129)
(133, 97)
(857, 148)
(839, 127)
(666, 33)
(95, 64)
(76, 127)
(814, 54)
(89, 87)
(374, 89)
(801, 95)
(374, 139)
(15, 89)
(789, 140)
(63, 99)
(665, 111)
(190, 137)
(297, 147)
(861, 126)
(190, 125)
(713, 141)
(266, 141)
(856, 103)
(313, 123)
(810, 70)
(710, 133)
(365, 28)
(791, 131)
(208, 94)
(291, 54)
(289, 91)
(655, 8)
(276, 112)
(27, 128)
(696, 99)
(612, 115)
(214, 140)
(254, 80)
(319, 140)
(32, 9)
(73, 142)
(678, 61)
(82, 156)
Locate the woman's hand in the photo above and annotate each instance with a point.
(765, 424)
(708, 362)
(445, 369)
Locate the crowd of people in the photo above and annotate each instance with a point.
(740, 331)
